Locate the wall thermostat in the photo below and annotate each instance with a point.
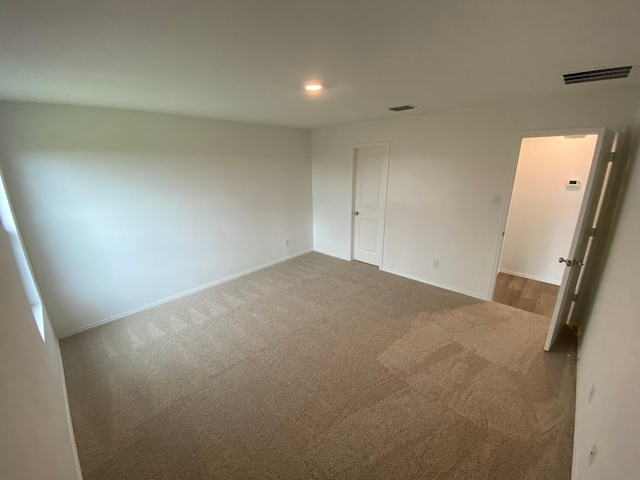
(573, 183)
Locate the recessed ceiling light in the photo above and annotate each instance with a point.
(313, 86)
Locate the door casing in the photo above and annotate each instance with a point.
(556, 132)
(354, 153)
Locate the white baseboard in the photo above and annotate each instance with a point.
(434, 284)
(179, 295)
(331, 254)
(531, 277)
(72, 434)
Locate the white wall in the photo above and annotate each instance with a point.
(35, 436)
(544, 211)
(444, 170)
(121, 209)
(609, 353)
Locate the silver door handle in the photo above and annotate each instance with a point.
(356, 213)
(570, 262)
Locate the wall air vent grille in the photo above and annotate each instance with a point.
(402, 108)
(596, 75)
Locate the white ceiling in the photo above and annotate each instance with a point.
(248, 59)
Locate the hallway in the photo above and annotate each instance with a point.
(529, 295)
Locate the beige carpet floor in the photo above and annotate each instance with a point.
(318, 368)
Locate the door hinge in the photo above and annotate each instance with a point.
(612, 156)
(575, 297)
(593, 232)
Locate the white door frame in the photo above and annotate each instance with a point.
(354, 152)
(554, 132)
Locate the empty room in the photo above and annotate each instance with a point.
(319, 240)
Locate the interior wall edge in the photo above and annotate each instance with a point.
(179, 295)
(150, 112)
(434, 284)
(37, 438)
(65, 394)
(329, 254)
(606, 385)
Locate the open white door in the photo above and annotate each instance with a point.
(372, 165)
(576, 260)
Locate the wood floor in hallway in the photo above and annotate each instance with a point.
(525, 294)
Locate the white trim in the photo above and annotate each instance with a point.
(9, 223)
(532, 277)
(434, 284)
(39, 318)
(519, 136)
(331, 254)
(352, 206)
(354, 153)
(179, 295)
(74, 447)
(384, 206)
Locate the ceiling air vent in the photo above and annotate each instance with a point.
(402, 108)
(595, 75)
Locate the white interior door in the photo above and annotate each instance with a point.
(372, 165)
(576, 260)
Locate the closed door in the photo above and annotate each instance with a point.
(577, 262)
(372, 164)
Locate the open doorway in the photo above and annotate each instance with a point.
(547, 197)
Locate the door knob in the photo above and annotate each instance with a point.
(356, 213)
